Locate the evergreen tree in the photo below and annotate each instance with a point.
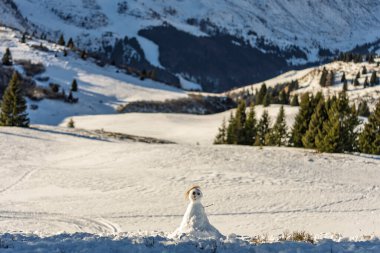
(240, 119)
(221, 137)
(373, 80)
(283, 97)
(366, 84)
(330, 79)
(7, 58)
(83, 55)
(61, 40)
(70, 43)
(358, 75)
(343, 77)
(263, 128)
(301, 124)
(250, 126)
(71, 123)
(369, 138)
(231, 130)
(295, 101)
(13, 106)
(262, 93)
(364, 70)
(363, 109)
(356, 82)
(74, 85)
(338, 133)
(316, 125)
(23, 38)
(345, 86)
(323, 79)
(278, 134)
(266, 99)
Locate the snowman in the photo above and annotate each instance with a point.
(195, 222)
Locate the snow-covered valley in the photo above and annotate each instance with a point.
(106, 186)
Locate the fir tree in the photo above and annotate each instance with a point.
(338, 133)
(363, 109)
(278, 134)
(70, 43)
(221, 137)
(345, 86)
(316, 125)
(261, 94)
(373, 80)
(358, 75)
(74, 85)
(61, 40)
(83, 55)
(240, 119)
(23, 38)
(323, 79)
(13, 106)
(263, 128)
(71, 123)
(7, 58)
(266, 99)
(283, 98)
(343, 79)
(356, 82)
(369, 138)
(231, 130)
(365, 84)
(295, 101)
(250, 126)
(364, 70)
(301, 124)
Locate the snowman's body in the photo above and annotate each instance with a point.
(195, 222)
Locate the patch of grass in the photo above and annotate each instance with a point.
(31, 69)
(297, 236)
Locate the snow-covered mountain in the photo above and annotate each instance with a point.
(219, 44)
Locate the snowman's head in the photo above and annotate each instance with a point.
(194, 194)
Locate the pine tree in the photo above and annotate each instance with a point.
(61, 40)
(323, 79)
(363, 109)
(343, 77)
(23, 38)
(262, 93)
(278, 134)
(71, 123)
(74, 85)
(83, 55)
(358, 75)
(13, 106)
(283, 98)
(345, 86)
(221, 137)
(263, 128)
(338, 133)
(301, 124)
(240, 119)
(250, 126)
(366, 84)
(369, 138)
(316, 125)
(330, 79)
(373, 80)
(231, 130)
(267, 99)
(7, 58)
(364, 70)
(356, 82)
(70, 43)
(295, 101)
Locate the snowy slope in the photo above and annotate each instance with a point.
(306, 24)
(85, 184)
(101, 89)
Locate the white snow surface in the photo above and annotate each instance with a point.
(58, 180)
(310, 24)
